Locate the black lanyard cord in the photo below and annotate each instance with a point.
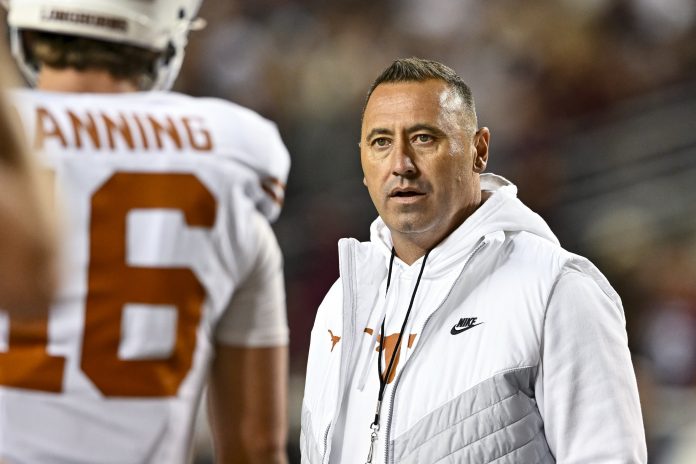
(384, 379)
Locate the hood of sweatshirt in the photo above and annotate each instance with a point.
(502, 212)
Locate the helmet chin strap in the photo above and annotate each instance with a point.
(169, 64)
(167, 70)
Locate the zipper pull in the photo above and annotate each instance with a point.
(373, 439)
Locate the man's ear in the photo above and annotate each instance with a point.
(481, 139)
(364, 182)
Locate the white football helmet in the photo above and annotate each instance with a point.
(159, 25)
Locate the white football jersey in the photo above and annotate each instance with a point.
(167, 250)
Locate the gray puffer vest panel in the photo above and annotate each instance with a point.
(495, 421)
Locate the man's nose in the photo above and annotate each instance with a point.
(403, 161)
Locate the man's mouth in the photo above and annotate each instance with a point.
(405, 193)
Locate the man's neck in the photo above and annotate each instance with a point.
(408, 251)
(90, 81)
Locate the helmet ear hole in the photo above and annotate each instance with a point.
(182, 13)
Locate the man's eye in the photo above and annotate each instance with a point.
(380, 142)
(424, 138)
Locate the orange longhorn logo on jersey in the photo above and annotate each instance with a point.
(334, 339)
(389, 346)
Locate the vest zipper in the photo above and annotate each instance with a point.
(326, 443)
(348, 341)
(403, 369)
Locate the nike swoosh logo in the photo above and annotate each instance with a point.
(457, 330)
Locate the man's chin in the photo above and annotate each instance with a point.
(408, 227)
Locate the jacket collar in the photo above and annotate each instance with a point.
(501, 212)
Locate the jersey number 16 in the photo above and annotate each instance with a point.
(112, 284)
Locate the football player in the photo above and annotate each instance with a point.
(172, 274)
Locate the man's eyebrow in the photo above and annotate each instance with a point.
(415, 128)
(425, 127)
(376, 131)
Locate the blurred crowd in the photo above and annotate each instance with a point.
(592, 109)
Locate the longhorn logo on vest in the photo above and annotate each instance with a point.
(334, 339)
(389, 346)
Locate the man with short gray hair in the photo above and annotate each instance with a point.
(462, 331)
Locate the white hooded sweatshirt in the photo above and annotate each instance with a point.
(515, 351)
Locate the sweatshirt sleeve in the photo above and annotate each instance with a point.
(586, 388)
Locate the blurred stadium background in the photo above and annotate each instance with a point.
(592, 108)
